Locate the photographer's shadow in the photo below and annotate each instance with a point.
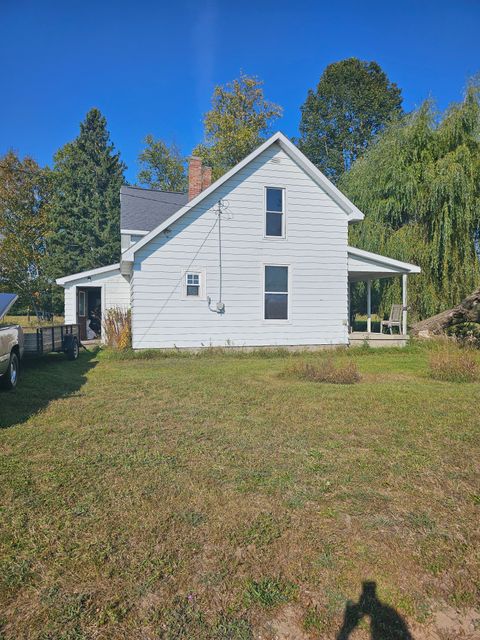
(385, 622)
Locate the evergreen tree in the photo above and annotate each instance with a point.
(239, 121)
(162, 166)
(85, 211)
(352, 103)
(24, 195)
(419, 187)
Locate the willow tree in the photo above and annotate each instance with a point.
(419, 187)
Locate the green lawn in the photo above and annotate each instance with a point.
(29, 324)
(212, 497)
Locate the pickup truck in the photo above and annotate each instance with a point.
(11, 345)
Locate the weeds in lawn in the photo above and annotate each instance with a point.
(270, 592)
(262, 531)
(204, 352)
(117, 327)
(450, 363)
(314, 620)
(185, 621)
(326, 371)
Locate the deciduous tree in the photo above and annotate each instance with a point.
(162, 166)
(24, 196)
(353, 102)
(240, 119)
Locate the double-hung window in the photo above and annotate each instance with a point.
(274, 212)
(276, 293)
(192, 284)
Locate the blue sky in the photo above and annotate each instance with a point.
(151, 66)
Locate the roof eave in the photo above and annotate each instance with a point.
(86, 274)
(391, 262)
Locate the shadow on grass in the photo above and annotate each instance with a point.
(41, 381)
(385, 622)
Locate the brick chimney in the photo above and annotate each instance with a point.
(194, 177)
(199, 177)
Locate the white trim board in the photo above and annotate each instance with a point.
(133, 232)
(384, 260)
(86, 274)
(343, 202)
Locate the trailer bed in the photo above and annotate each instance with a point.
(50, 339)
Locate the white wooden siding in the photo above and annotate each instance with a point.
(315, 249)
(115, 292)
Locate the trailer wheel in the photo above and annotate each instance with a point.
(72, 349)
(10, 378)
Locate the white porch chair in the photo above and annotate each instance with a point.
(395, 319)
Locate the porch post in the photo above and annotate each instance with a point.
(404, 304)
(369, 306)
(349, 306)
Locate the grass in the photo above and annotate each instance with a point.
(206, 496)
(451, 364)
(30, 323)
(326, 371)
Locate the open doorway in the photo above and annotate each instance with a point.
(89, 312)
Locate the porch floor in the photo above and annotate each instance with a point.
(357, 338)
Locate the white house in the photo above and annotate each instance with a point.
(260, 257)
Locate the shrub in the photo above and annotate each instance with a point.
(467, 333)
(117, 327)
(449, 363)
(326, 371)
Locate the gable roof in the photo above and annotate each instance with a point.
(343, 202)
(145, 209)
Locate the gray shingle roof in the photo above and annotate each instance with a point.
(144, 209)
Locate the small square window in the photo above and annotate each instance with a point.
(274, 213)
(192, 281)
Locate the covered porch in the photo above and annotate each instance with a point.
(364, 266)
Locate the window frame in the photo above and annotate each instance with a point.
(82, 295)
(201, 287)
(286, 320)
(283, 213)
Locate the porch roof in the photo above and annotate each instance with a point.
(364, 265)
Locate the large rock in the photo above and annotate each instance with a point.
(467, 311)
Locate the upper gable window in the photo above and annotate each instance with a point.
(274, 212)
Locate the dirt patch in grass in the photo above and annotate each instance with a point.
(212, 497)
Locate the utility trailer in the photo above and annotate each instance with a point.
(60, 339)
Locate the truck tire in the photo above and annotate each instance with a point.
(10, 377)
(72, 348)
